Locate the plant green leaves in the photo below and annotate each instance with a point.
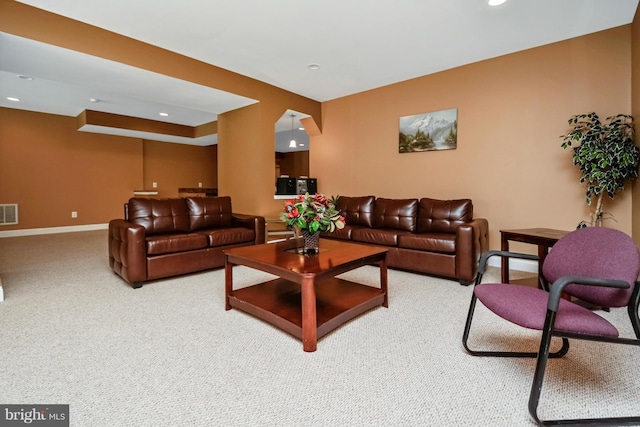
(604, 152)
(314, 213)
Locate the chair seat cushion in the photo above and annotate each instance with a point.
(527, 307)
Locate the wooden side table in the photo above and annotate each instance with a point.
(545, 238)
(276, 228)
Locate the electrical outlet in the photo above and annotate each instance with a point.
(200, 184)
(154, 185)
(74, 214)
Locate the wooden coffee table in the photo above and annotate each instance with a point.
(307, 300)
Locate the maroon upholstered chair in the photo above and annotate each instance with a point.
(597, 265)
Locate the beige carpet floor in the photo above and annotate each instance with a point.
(168, 354)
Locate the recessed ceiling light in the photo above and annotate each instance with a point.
(164, 114)
(313, 67)
(25, 77)
(94, 100)
(496, 2)
(11, 98)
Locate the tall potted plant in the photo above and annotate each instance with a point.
(606, 155)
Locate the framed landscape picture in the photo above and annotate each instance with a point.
(429, 131)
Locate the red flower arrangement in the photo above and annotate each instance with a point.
(312, 213)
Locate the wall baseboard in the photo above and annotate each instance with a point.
(515, 264)
(53, 230)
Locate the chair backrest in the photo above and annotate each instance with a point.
(595, 252)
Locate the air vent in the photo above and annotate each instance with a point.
(9, 214)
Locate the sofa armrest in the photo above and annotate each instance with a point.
(127, 251)
(254, 222)
(472, 239)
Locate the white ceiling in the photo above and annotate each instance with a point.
(358, 44)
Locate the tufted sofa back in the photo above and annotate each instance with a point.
(357, 210)
(182, 215)
(398, 214)
(443, 216)
(159, 216)
(209, 212)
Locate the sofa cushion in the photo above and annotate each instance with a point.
(228, 236)
(159, 216)
(209, 212)
(430, 242)
(357, 210)
(398, 214)
(443, 216)
(341, 233)
(377, 236)
(172, 243)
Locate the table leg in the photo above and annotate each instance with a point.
(543, 251)
(309, 319)
(383, 282)
(228, 283)
(504, 265)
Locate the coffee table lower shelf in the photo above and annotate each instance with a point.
(279, 302)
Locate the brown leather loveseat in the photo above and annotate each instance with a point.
(436, 237)
(167, 237)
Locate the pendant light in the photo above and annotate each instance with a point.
(292, 143)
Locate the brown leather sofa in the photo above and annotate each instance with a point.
(435, 237)
(167, 237)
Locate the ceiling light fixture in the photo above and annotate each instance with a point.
(25, 77)
(496, 2)
(292, 143)
(313, 67)
(164, 114)
(11, 98)
(94, 100)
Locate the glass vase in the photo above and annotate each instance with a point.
(311, 242)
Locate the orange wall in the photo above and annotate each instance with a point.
(511, 112)
(173, 166)
(246, 163)
(50, 169)
(245, 147)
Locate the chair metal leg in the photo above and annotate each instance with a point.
(541, 365)
(467, 326)
(538, 378)
(633, 306)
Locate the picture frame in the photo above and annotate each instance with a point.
(433, 131)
